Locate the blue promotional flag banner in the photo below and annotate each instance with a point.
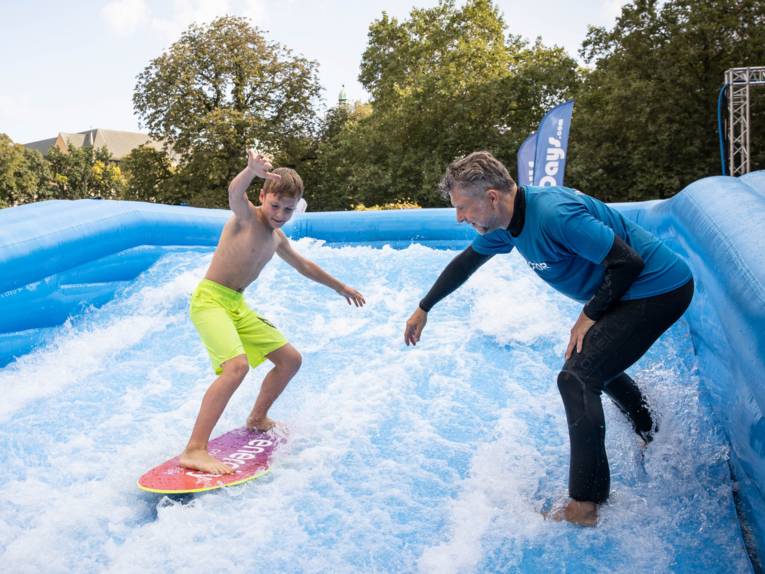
(526, 160)
(552, 141)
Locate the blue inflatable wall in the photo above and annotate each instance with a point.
(60, 257)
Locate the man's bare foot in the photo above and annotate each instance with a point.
(261, 424)
(200, 459)
(578, 512)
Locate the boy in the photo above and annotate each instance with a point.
(235, 336)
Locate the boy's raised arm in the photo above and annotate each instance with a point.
(257, 165)
(314, 272)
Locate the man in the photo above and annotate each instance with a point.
(633, 288)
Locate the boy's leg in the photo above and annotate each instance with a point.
(287, 361)
(262, 340)
(212, 316)
(214, 402)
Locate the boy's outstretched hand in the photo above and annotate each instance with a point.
(260, 165)
(352, 296)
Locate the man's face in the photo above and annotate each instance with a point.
(277, 209)
(480, 212)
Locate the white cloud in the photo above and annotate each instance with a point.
(125, 16)
(171, 19)
(613, 9)
(255, 10)
(171, 23)
(7, 104)
(12, 108)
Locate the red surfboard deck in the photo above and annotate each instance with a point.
(248, 452)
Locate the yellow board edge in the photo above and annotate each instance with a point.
(157, 491)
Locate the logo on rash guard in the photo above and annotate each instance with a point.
(538, 266)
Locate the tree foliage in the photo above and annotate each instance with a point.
(343, 173)
(218, 89)
(148, 174)
(645, 123)
(443, 83)
(85, 173)
(24, 174)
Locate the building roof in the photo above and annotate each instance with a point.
(119, 143)
(42, 145)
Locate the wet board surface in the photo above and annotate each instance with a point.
(248, 452)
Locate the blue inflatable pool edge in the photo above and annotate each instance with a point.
(58, 258)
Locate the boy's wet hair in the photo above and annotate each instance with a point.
(474, 174)
(290, 184)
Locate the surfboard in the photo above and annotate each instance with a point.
(248, 452)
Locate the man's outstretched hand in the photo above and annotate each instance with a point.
(414, 326)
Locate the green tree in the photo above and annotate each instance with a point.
(343, 172)
(216, 91)
(85, 173)
(24, 174)
(41, 168)
(107, 180)
(148, 173)
(645, 123)
(445, 82)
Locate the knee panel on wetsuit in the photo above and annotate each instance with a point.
(573, 391)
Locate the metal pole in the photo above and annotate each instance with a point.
(746, 167)
(731, 131)
(738, 82)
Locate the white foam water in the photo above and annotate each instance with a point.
(437, 458)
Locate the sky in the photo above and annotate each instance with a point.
(72, 66)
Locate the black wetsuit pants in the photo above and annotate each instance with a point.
(614, 343)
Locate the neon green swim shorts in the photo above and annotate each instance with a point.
(228, 327)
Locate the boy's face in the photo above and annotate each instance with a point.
(277, 209)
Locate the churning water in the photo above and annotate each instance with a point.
(436, 459)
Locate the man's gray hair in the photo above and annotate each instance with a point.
(474, 174)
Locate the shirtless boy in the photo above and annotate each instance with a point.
(235, 336)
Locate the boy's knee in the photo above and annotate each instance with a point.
(295, 360)
(287, 359)
(237, 367)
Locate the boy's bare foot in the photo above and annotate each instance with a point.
(200, 459)
(578, 512)
(260, 424)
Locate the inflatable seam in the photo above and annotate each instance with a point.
(730, 249)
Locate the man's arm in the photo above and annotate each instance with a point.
(257, 166)
(623, 265)
(453, 276)
(311, 270)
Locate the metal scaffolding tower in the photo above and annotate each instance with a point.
(738, 81)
